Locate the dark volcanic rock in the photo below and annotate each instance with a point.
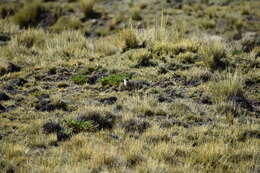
(9, 68)
(4, 96)
(249, 134)
(170, 123)
(108, 100)
(45, 104)
(4, 37)
(10, 89)
(62, 136)
(43, 96)
(250, 40)
(164, 99)
(94, 77)
(135, 125)
(18, 82)
(2, 108)
(242, 102)
(145, 62)
(99, 121)
(51, 127)
(13, 68)
(206, 100)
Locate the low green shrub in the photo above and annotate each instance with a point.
(79, 126)
(114, 79)
(79, 79)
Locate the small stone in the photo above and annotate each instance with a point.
(109, 100)
(51, 127)
(2, 108)
(18, 82)
(4, 37)
(4, 97)
(13, 68)
(135, 125)
(249, 41)
(62, 136)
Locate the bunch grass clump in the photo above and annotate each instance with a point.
(87, 7)
(223, 89)
(129, 37)
(212, 54)
(66, 23)
(27, 16)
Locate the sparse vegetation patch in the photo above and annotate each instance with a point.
(123, 86)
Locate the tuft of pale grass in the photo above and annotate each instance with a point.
(31, 37)
(212, 54)
(196, 74)
(8, 27)
(129, 38)
(87, 6)
(222, 89)
(27, 15)
(66, 23)
(177, 47)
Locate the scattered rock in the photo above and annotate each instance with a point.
(62, 85)
(94, 77)
(170, 123)
(55, 74)
(10, 89)
(249, 134)
(145, 62)
(100, 121)
(108, 100)
(9, 68)
(43, 96)
(18, 82)
(2, 108)
(162, 99)
(51, 127)
(175, 93)
(249, 41)
(4, 96)
(10, 170)
(13, 68)
(135, 125)
(52, 71)
(33, 90)
(114, 136)
(1, 136)
(241, 101)
(206, 100)
(62, 136)
(158, 139)
(47, 105)
(177, 3)
(46, 18)
(4, 37)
